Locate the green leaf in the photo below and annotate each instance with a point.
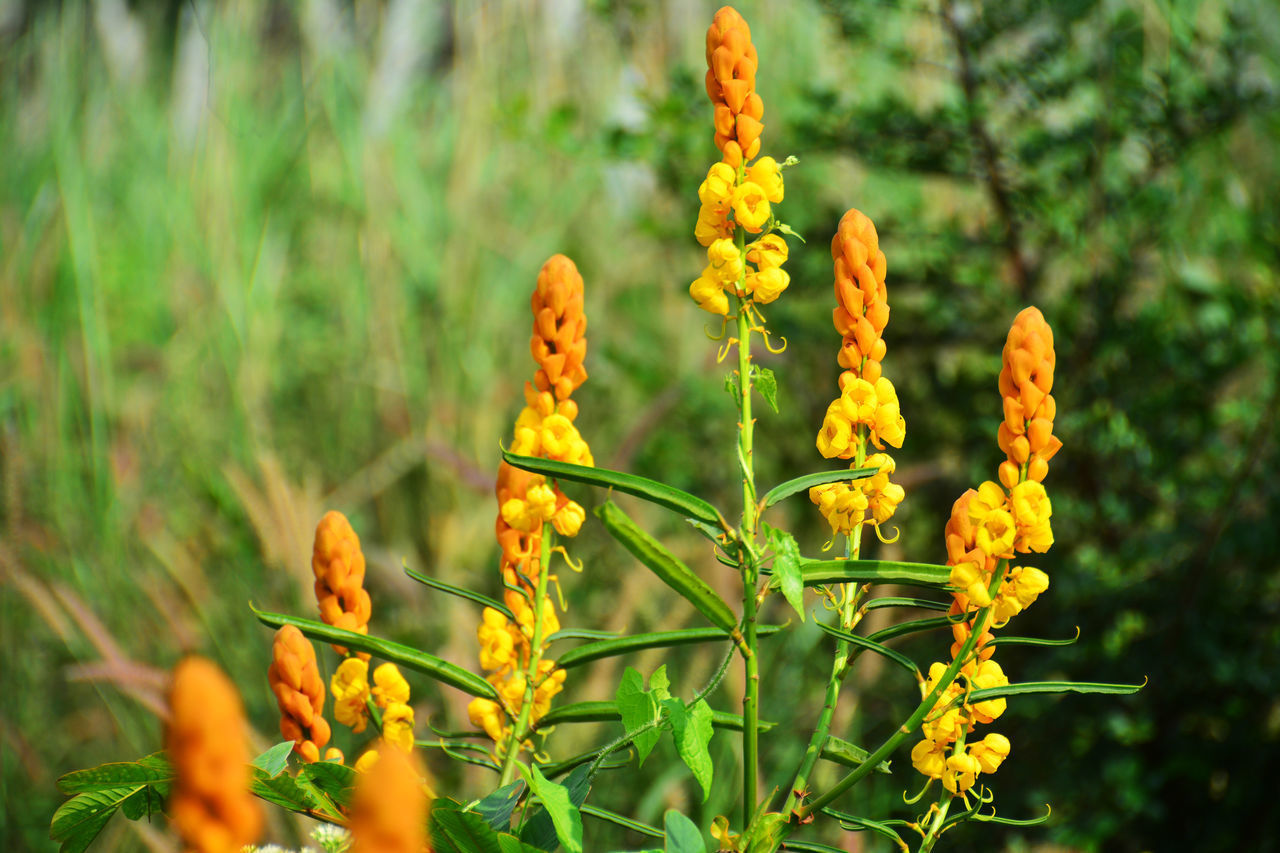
(437, 668)
(767, 384)
(151, 770)
(894, 601)
(683, 835)
(658, 639)
(895, 656)
(692, 731)
(784, 228)
(607, 712)
(1027, 688)
(1008, 821)
(804, 483)
(285, 791)
(469, 595)
(559, 804)
(817, 572)
(841, 751)
(79, 820)
(498, 806)
(638, 708)
(274, 760)
(335, 781)
(462, 832)
(582, 634)
(1000, 640)
(670, 570)
(642, 487)
(735, 391)
(786, 567)
(857, 824)
(812, 846)
(625, 822)
(913, 626)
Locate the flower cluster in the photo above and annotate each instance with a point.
(527, 503)
(389, 808)
(295, 680)
(867, 408)
(988, 528)
(736, 195)
(351, 695)
(211, 805)
(338, 564)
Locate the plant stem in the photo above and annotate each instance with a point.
(518, 732)
(751, 699)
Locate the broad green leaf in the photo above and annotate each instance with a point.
(78, 821)
(638, 708)
(767, 384)
(895, 656)
(323, 802)
(626, 822)
(683, 835)
(913, 626)
(274, 760)
(285, 791)
(895, 601)
(149, 801)
(818, 572)
(841, 751)
(151, 770)
(498, 806)
(803, 483)
(511, 844)
(1001, 640)
(692, 731)
(333, 780)
(670, 570)
(462, 832)
(1031, 687)
(560, 805)
(642, 487)
(636, 642)
(786, 567)
(880, 827)
(482, 600)
(437, 668)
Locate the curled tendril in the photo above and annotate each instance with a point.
(559, 592)
(896, 536)
(723, 352)
(911, 801)
(764, 333)
(577, 567)
(724, 327)
(829, 544)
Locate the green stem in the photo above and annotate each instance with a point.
(917, 717)
(751, 699)
(518, 732)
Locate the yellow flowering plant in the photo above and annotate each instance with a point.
(536, 798)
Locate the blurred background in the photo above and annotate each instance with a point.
(260, 259)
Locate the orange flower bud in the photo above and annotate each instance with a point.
(338, 564)
(295, 680)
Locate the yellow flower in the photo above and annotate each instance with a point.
(724, 262)
(767, 284)
(750, 206)
(769, 251)
(969, 578)
(962, 769)
(836, 436)
(718, 187)
(568, 519)
(350, 686)
(1031, 512)
(365, 762)
(767, 174)
(713, 223)
(990, 752)
(390, 686)
(397, 725)
(988, 674)
(710, 295)
(995, 534)
(497, 641)
(889, 425)
(930, 758)
(488, 716)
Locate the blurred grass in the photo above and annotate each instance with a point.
(259, 261)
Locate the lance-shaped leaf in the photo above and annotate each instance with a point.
(896, 601)
(818, 572)
(582, 634)
(657, 639)
(786, 489)
(469, 595)
(914, 626)
(618, 820)
(1008, 821)
(661, 494)
(437, 668)
(810, 846)
(1028, 688)
(1031, 641)
(841, 751)
(895, 656)
(880, 827)
(664, 564)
